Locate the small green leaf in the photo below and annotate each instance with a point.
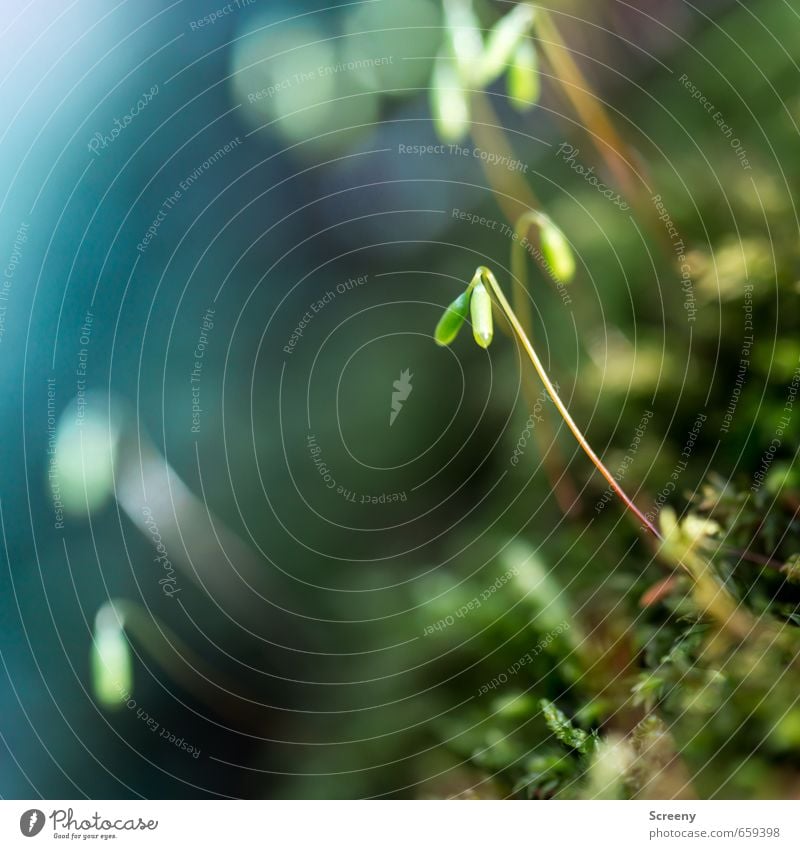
(449, 103)
(452, 319)
(480, 307)
(556, 251)
(112, 670)
(565, 731)
(523, 77)
(504, 37)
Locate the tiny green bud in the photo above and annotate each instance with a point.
(556, 251)
(480, 307)
(449, 103)
(504, 37)
(523, 77)
(452, 319)
(112, 672)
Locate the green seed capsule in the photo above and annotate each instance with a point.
(452, 319)
(523, 77)
(449, 103)
(480, 307)
(557, 252)
(503, 39)
(112, 672)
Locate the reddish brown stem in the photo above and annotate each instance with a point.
(489, 280)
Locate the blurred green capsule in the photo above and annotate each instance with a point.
(465, 35)
(112, 670)
(504, 38)
(556, 251)
(480, 307)
(523, 77)
(452, 319)
(449, 103)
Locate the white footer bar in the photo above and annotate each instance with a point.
(401, 824)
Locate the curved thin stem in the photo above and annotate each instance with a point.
(563, 487)
(491, 281)
(587, 105)
(519, 205)
(519, 267)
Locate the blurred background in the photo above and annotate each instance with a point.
(232, 449)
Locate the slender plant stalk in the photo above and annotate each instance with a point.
(522, 336)
(519, 205)
(511, 193)
(710, 593)
(563, 487)
(587, 106)
(518, 202)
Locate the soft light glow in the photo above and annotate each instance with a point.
(393, 43)
(449, 103)
(85, 449)
(298, 81)
(112, 670)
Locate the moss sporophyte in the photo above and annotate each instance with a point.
(679, 543)
(484, 292)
